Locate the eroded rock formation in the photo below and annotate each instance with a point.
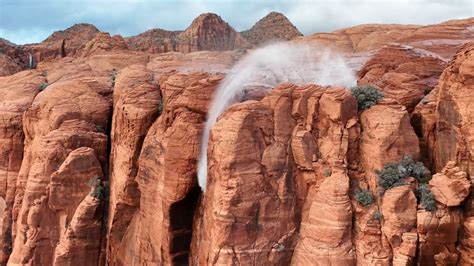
(285, 165)
(403, 73)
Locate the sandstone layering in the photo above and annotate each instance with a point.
(100, 139)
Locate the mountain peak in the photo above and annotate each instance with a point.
(79, 30)
(209, 31)
(273, 27)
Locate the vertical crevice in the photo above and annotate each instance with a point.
(63, 48)
(181, 226)
(105, 202)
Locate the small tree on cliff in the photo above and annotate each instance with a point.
(100, 189)
(426, 198)
(364, 197)
(367, 96)
(393, 174)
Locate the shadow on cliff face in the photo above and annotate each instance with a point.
(267, 67)
(181, 223)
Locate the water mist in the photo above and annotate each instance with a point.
(267, 67)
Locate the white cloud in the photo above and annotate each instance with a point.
(24, 21)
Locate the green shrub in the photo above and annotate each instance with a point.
(425, 197)
(364, 197)
(377, 215)
(367, 96)
(43, 86)
(410, 167)
(393, 174)
(100, 188)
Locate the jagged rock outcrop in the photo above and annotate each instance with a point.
(444, 39)
(12, 58)
(399, 214)
(325, 234)
(63, 43)
(454, 132)
(362, 38)
(8, 66)
(451, 186)
(209, 32)
(403, 73)
(273, 27)
(160, 230)
(80, 244)
(137, 103)
(64, 117)
(80, 214)
(154, 41)
(266, 186)
(437, 232)
(103, 42)
(17, 93)
(423, 120)
(384, 139)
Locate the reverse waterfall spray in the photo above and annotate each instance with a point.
(267, 67)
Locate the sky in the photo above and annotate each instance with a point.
(29, 21)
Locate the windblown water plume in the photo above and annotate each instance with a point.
(267, 67)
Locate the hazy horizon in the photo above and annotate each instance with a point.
(30, 21)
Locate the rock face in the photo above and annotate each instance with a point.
(63, 118)
(154, 41)
(362, 38)
(64, 147)
(166, 176)
(385, 138)
(256, 220)
(454, 136)
(80, 245)
(454, 133)
(403, 73)
(399, 211)
(12, 58)
(137, 99)
(103, 42)
(437, 233)
(423, 119)
(63, 43)
(451, 186)
(273, 27)
(325, 234)
(209, 32)
(444, 39)
(17, 93)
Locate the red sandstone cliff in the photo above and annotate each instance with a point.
(284, 169)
